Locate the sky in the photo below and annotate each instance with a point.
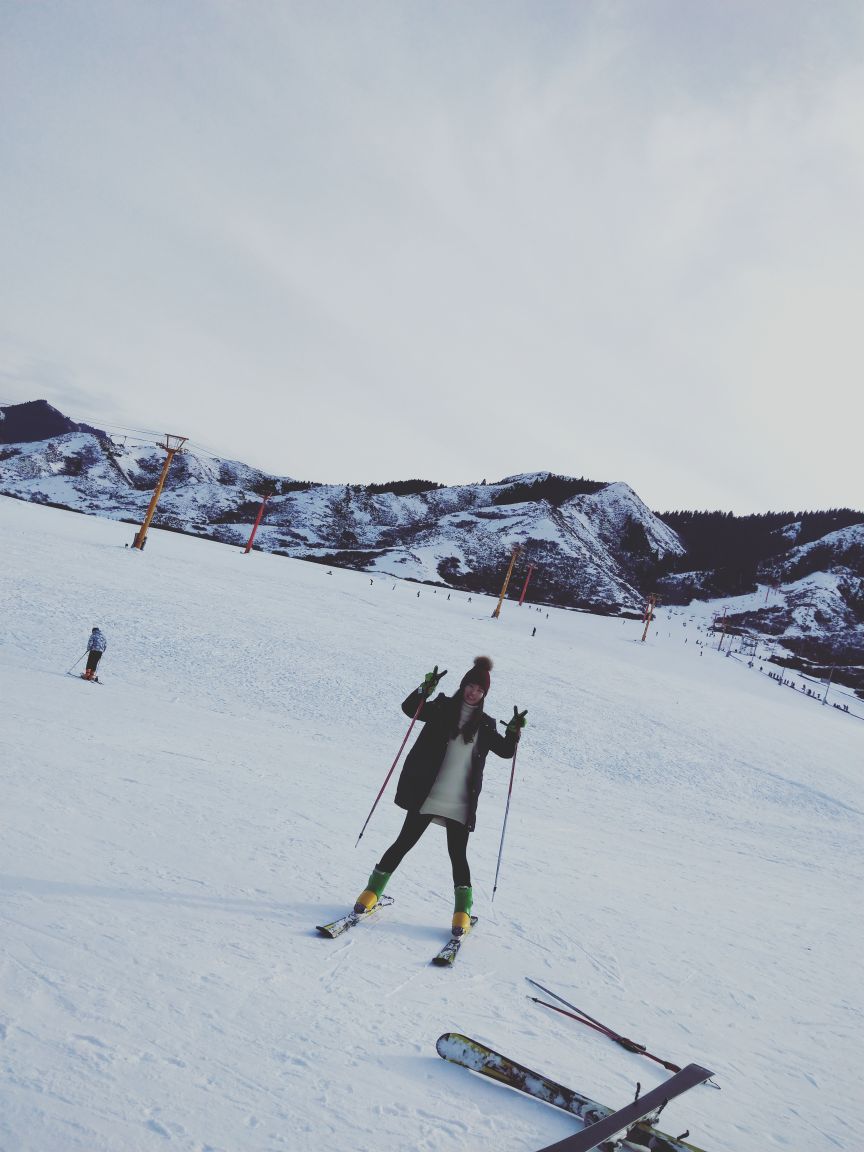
(363, 242)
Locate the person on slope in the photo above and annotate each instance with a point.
(96, 645)
(442, 778)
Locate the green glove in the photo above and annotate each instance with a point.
(518, 722)
(431, 681)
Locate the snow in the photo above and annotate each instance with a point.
(683, 861)
(707, 610)
(811, 604)
(838, 542)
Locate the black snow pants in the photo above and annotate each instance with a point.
(413, 828)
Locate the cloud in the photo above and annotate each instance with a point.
(361, 242)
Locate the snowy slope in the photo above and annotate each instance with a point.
(812, 616)
(93, 474)
(845, 547)
(683, 861)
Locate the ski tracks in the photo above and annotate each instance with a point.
(606, 965)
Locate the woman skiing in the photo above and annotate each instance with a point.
(442, 778)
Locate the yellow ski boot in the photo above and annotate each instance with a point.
(375, 886)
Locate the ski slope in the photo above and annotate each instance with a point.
(683, 861)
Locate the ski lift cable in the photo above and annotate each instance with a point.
(199, 447)
(125, 430)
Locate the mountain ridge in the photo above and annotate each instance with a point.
(593, 545)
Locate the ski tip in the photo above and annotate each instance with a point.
(449, 1041)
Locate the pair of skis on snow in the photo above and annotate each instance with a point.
(446, 958)
(631, 1127)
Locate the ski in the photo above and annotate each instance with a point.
(643, 1108)
(478, 1057)
(337, 927)
(446, 958)
(81, 676)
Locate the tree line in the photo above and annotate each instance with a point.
(716, 539)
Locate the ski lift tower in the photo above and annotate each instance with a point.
(749, 646)
(525, 585)
(720, 623)
(267, 494)
(172, 446)
(513, 558)
(648, 614)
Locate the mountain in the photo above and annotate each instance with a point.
(587, 540)
(814, 599)
(797, 578)
(593, 545)
(36, 420)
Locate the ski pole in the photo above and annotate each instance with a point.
(630, 1045)
(390, 773)
(504, 829)
(590, 1022)
(75, 665)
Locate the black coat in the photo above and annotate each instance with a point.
(440, 717)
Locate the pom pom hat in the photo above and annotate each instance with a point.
(479, 674)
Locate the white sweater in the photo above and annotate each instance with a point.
(448, 797)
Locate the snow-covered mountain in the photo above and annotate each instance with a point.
(810, 598)
(592, 545)
(817, 604)
(579, 535)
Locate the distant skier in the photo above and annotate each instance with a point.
(534, 630)
(96, 645)
(442, 778)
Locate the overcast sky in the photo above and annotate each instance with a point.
(373, 241)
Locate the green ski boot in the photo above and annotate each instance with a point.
(368, 898)
(462, 911)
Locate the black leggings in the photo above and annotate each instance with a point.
(413, 828)
(93, 659)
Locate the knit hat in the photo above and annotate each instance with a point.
(479, 674)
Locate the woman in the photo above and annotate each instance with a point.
(442, 779)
